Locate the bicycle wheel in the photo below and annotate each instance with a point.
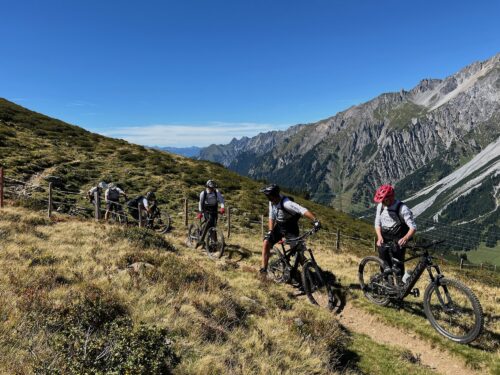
(214, 243)
(278, 269)
(193, 235)
(371, 280)
(315, 286)
(453, 310)
(161, 223)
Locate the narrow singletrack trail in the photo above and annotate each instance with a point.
(359, 321)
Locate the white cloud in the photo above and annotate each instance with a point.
(190, 135)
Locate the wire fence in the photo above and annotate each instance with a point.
(77, 203)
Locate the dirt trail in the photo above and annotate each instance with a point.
(359, 321)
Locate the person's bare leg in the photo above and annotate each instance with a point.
(266, 247)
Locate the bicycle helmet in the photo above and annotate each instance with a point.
(102, 185)
(150, 196)
(211, 184)
(271, 190)
(383, 192)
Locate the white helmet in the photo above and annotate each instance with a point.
(102, 185)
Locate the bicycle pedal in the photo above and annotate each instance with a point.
(415, 292)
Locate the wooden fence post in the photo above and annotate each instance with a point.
(338, 240)
(1, 187)
(49, 208)
(97, 205)
(461, 263)
(375, 243)
(481, 265)
(139, 209)
(186, 220)
(228, 222)
(262, 225)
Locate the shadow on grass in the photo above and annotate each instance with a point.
(339, 292)
(236, 253)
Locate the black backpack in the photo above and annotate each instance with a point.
(135, 202)
(294, 215)
(205, 197)
(402, 228)
(113, 195)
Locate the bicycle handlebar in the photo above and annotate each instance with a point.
(303, 236)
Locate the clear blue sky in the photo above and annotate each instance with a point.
(195, 72)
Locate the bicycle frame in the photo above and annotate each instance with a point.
(425, 263)
(298, 250)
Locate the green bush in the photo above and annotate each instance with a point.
(92, 334)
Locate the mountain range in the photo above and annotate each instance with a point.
(423, 141)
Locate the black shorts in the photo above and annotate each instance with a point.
(279, 231)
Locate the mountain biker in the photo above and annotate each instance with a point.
(100, 187)
(147, 203)
(112, 198)
(210, 198)
(393, 223)
(284, 215)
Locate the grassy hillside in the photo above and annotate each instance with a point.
(37, 149)
(73, 304)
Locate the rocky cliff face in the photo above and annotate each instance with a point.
(410, 138)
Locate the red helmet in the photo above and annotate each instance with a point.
(385, 191)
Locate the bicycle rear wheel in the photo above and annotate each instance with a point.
(317, 289)
(371, 280)
(161, 223)
(214, 243)
(278, 269)
(453, 310)
(193, 235)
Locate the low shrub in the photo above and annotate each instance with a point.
(142, 238)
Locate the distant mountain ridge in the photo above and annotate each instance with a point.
(190, 152)
(450, 120)
(409, 138)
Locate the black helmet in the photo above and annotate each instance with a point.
(150, 196)
(271, 190)
(211, 184)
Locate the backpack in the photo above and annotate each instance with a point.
(113, 195)
(135, 202)
(204, 196)
(294, 215)
(402, 228)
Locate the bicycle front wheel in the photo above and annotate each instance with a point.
(193, 235)
(371, 280)
(317, 289)
(214, 242)
(453, 310)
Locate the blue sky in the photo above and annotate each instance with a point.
(189, 72)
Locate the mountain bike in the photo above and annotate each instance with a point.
(157, 220)
(284, 268)
(451, 307)
(213, 242)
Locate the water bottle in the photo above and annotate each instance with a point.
(406, 276)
